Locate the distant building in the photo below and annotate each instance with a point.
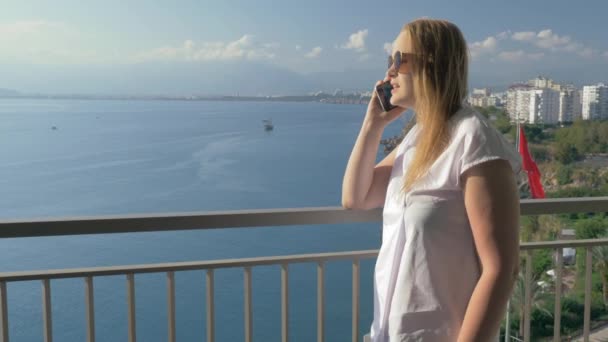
(544, 106)
(543, 82)
(482, 97)
(529, 104)
(518, 102)
(595, 102)
(481, 91)
(570, 106)
(483, 101)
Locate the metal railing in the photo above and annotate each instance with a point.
(257, 218)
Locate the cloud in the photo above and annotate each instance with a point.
(548, 40)
(356, 41)
(388, 47)
(243, 48)
(298, 47)
(605, 54)
(524, 36)
(520, 56)
(314, 53)
(488, 45)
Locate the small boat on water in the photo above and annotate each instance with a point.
(268, 126)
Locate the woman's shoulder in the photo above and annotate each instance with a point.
(477, 140)
(468, 121)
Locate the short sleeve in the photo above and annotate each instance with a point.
(481, 143)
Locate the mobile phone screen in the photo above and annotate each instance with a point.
(384, 95)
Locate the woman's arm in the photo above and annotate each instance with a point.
(364, 185)
(492, 203)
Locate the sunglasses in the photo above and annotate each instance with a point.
(401, 61)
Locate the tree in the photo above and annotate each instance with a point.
(518, 298)
(566, 152)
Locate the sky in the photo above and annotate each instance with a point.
(263, 47)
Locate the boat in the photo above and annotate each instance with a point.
(268, 126)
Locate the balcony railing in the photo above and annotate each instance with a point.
(258, 218)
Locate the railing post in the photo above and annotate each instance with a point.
(320, 302)
(210, 307)
(131, 306)
(355, 323)
(558, 296)
(46, 311)
(171, 305)
(248, 306)
(285, 302)
(587, 314)
(3, 313)
(90, 308)
(528, 294)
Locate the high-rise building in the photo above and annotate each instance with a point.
(518, 102)
(544, 106)
(595, 102)
(528, 104)
(569, 104)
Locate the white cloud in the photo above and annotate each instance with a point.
(314, 53)
(543, 40)
(298, 47)
(488, 45)
(520, 56)
(356, 41)
(523, 36)
(548, 40)
(388, 47)
(503, 35)
(243, 48)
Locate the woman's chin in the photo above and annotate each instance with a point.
(395, 101)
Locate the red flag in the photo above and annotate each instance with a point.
(536, 188)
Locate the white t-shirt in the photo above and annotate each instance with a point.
(427, 266)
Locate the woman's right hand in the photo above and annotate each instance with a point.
(376, 114)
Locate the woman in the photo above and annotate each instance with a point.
(450, 244)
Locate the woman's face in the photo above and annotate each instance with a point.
(403, 85)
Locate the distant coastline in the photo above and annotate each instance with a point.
(322, 98)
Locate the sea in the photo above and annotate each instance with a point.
(74, 158)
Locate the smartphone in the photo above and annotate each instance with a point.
(384, 95)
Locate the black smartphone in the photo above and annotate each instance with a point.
(384, 95)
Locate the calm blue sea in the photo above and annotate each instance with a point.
(129, 157)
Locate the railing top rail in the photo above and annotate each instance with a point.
(248, 218)
(245, 262)
(185, 266)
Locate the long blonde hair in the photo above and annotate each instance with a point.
(440, 87)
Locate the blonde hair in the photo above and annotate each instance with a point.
(440, 87)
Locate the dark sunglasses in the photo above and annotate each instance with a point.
(401, 61)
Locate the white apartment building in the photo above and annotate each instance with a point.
(595, 102)
(569, 105)
(483, 101)
(544, 106)
(543, 82)
(533, 105)
(518, 102)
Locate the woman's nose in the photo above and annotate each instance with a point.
(390, 73)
